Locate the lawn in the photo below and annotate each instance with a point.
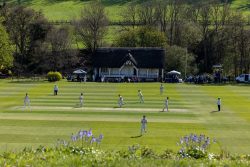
(57, 117)
(70, 9)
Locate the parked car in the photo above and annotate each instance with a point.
(243, 78)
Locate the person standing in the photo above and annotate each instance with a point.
(55, 90)
(120, 101)
(219, 104)
(26, 101)
(141, 98)
(143, 124)
(161, 89)
(166, 105)
(81, 100)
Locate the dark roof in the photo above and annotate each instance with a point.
(140, 57)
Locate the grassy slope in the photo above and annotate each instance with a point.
(69, 9)
(45, 125)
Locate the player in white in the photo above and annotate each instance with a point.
(166, 105)
(81, 100)
(56, 90)
(161, 89)
(143, 124)
(26, 101)
(141, 98)
(120, 101)
(219, 103)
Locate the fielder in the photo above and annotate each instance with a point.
(219, 104)
(143, 124)
(120, 101)
(161, 89)
(141, 98)
(55, 90)
(81, 100)
(166, 105)
(26, 101)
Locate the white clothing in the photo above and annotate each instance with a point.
(26, 101)
(81, 100)
(55, 88)
(143, 125)
(120, 101)
(161, 89)
(141, 97)
(166, 105)
(219, 102)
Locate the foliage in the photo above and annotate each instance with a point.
(91, 27)
(27, 30)
(179, 59)
(141, 37)
(54, 76)
(6, 49)
(90, 156)
(194, 146)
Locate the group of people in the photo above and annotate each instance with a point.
(120, 99)
(141, 98)
(120, 104)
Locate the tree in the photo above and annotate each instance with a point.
(178, 58)
(146, 13)
(61, 55)
(141, 37)
(150, 37)
(129, 14)
(91, 27)
(127, 39)
(6, 49)
(161, 14)
(25, 27)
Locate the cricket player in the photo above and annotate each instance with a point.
(55, 90)
(140, 96)
(219, 104)
(120, 101)
(166, 105)
(26, 101)
(143, 124)
(161, 89)
(81, 100)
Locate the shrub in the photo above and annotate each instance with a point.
(54, 76)
(194, 146)
(168, 154)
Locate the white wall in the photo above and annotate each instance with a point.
(129, 71)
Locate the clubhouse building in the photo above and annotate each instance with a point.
(125, 64)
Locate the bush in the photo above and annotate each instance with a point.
(194, 146)
(54, 76)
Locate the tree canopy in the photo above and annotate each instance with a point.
(6, 49)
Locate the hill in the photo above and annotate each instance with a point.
(68, 9)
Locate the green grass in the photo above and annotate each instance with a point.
(56, 117)
(70, 9)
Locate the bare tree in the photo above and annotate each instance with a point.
(161, 14)
(92, 25)
(175, 9)
(129, 14)
(146, 13)
(205, 23)
(62, 56)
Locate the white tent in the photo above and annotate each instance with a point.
(174, 72)
(79, 71)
